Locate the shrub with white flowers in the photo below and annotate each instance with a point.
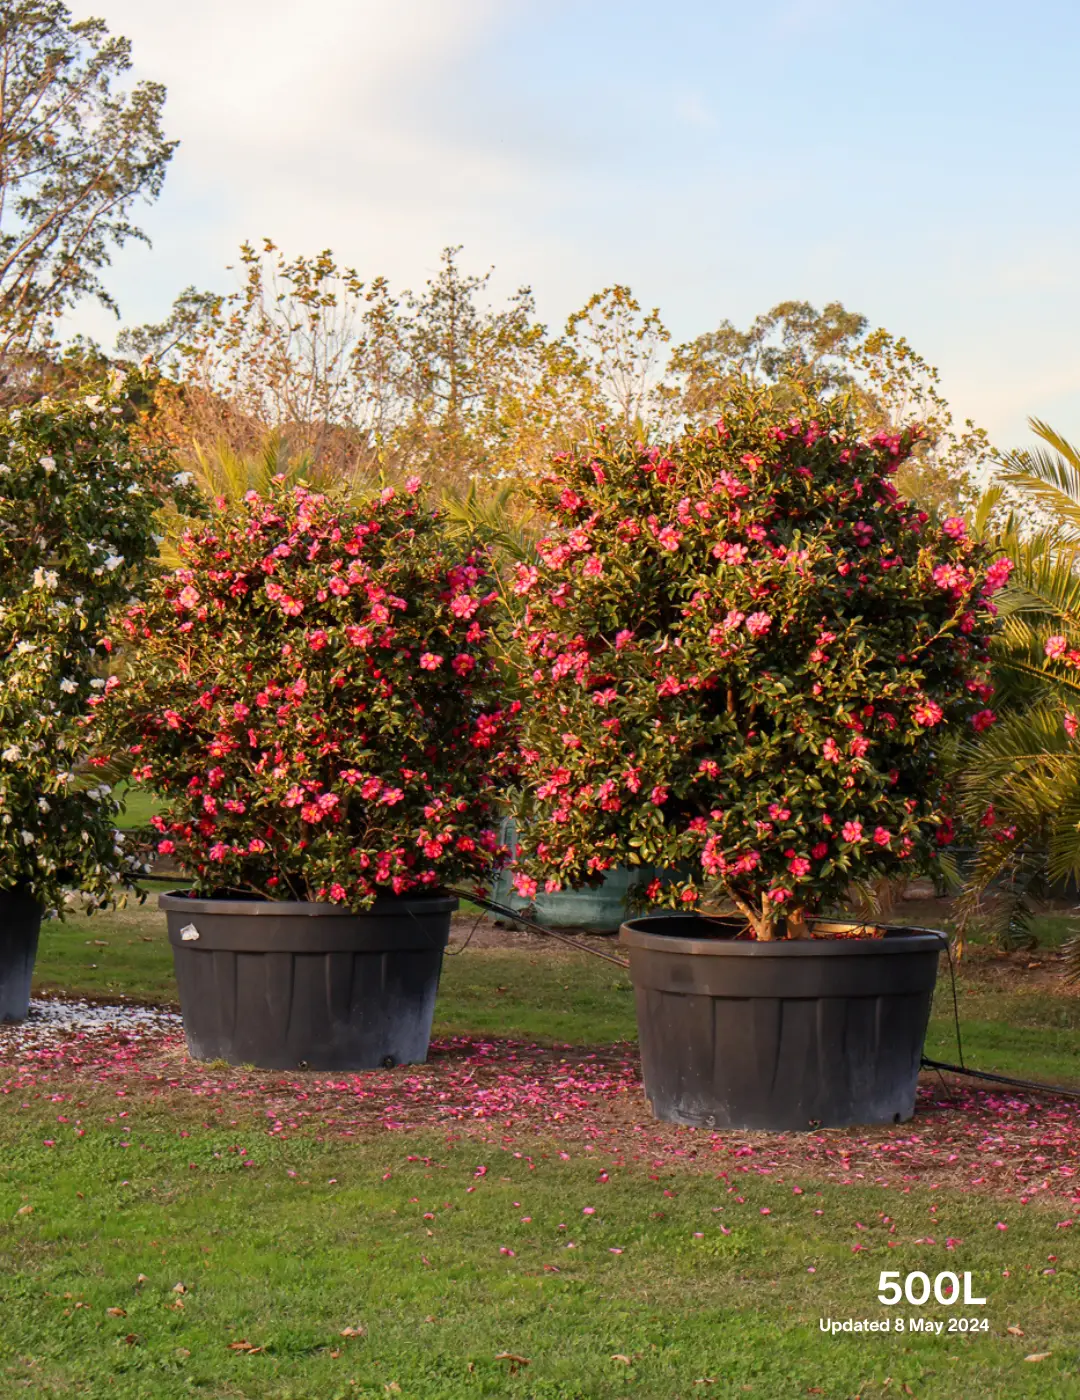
(78, 499)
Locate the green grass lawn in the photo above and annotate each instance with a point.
(440, 1272)
(446, 1275)
(139, 806)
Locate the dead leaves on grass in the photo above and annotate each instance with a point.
(516, 1361)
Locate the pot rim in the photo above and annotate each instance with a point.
(901, 938)
(179, 901)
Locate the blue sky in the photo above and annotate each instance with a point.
(915, 161)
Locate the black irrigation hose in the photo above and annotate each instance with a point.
(505, 912)
(1029, 1084)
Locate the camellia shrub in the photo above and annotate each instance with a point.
(78, 502)
(312, 697)
(742, 653)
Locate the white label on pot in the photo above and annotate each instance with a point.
(189, 933)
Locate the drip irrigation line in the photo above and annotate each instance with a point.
(939, 1065)
(1029, 1084)
(505, 912)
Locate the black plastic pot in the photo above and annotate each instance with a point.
(779, 1036)
(308, 986)
(20, 924)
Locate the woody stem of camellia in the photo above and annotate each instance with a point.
(796, 924)
(762, 923)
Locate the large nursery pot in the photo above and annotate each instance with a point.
(20, 924)
(783, 1035)
(286, 985)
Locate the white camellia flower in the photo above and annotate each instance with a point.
(113, 561)
(48, 464)
(46, 578)
(182, 479)
(68, 686)
(43, 806)
(11, 754)
(97, 683)
(28, 837)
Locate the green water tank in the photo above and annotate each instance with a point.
(595, 910)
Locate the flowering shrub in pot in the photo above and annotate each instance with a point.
(311, 697)
(78, 500)
(743, 648)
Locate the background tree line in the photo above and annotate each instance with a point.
(304, 364)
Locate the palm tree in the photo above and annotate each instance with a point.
(1019, 781)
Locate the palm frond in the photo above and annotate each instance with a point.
(1048, 479)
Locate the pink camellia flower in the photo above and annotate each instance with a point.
(527, 577)
(733, 619)
(623, 638)
(317, 639)
(593, 567)
(166, 847)
(954, 527)
(951, 576)
(669, 538)
(462, 664)
(525, 885)
(831, 751)
(218, 851)
(852, 831)
(189, 597)
(927, 714)
(798, 866)
(820, 851)
(1071, 724)
(881, 836)
(430, 661)
(658, 796)
(1054, 647)
(464, 605)
(983, 720)
(758, 623)
(256, 845)
(413, 484)
(391, 797)
(997, 576)
(778, 894)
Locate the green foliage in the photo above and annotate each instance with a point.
(76, 154)
(1020, 783)
(311, 696)
(740, 648)
(78, 505)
